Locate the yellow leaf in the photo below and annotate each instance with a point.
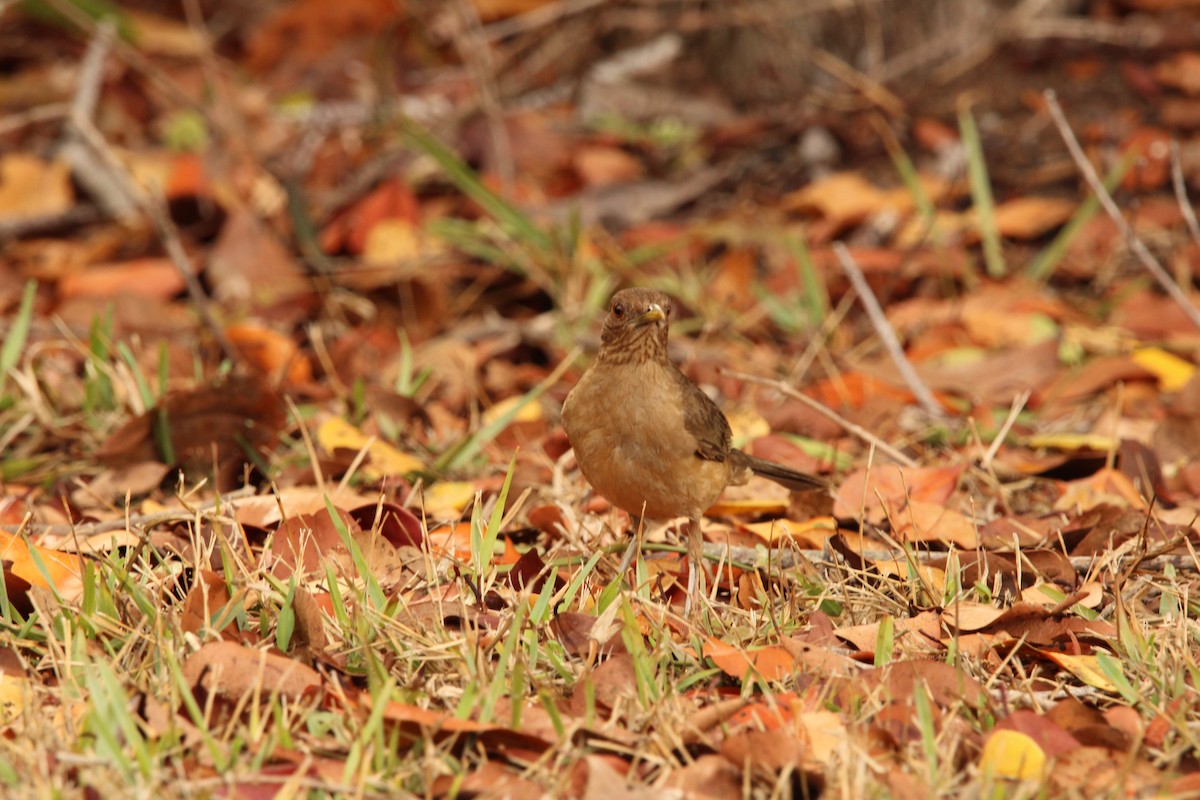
(747, 424)
(14, 689)
(1172, 372)
(810, 533)
(1085, 668)
(32, 187)
(1011, 754)
(448, 498)
(398, 241)
(1071, 441)
(732, 508)
(530, 412)
(825, 732)
(382, 459)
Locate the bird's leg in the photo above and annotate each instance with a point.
(635, 543)
(695, 556)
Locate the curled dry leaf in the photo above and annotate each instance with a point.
(303, 542)
(886, 489)
(232, 671)
(212, 424)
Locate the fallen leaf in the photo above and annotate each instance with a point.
(1173, 372)
(383, 460)
(1084, 667)
(31, 187)
(1011, 754)
(40, 567)
(811, 534)
(233, 672)
(766, 663)
(447, 499)
(273, 354)
(1032, 217)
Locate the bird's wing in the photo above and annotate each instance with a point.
(703, 420)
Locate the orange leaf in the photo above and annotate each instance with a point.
(61, 569)
(270, 352)
(769, 663)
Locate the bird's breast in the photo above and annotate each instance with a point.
(627, 427)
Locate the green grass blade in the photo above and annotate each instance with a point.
(14, 341)
(507, 215)
(981, 194)
(1043, 266)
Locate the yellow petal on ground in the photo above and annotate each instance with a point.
(1172, 372)
(1012, 754)
(530, 412)
(448, 498)
(383, 459)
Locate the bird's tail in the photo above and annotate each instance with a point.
(785, 476)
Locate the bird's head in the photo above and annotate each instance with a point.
(636, 326)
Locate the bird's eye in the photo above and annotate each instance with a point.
(618, 310)
(667, 309)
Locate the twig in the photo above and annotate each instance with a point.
(156, 209)
(886, 334)
(828, 413)
(1097, 186)
(475, 52)
(97, 174)
(1185, 205)
(540, 17)
(14, 122)
(93, 161)
(786, 558)
(137, 520)
(1013, 413)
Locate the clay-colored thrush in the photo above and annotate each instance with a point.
(649, 439)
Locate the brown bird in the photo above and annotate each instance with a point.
(649, 439)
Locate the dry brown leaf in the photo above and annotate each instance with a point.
(273, 354)
(1032, 217)
(31, 187)
(143, 277)
(1181, 71)
(233, 671)
(925, 630)
(886, 489)
(922, 521)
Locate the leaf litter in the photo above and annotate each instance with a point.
(316, 529)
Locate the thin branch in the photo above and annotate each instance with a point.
(1002, 434)
(1185, 205)
(135, 521)
(886, 334)
(828, 413)
(94, 167)
(1097, 186)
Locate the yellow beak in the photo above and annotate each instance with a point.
(654, 313)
